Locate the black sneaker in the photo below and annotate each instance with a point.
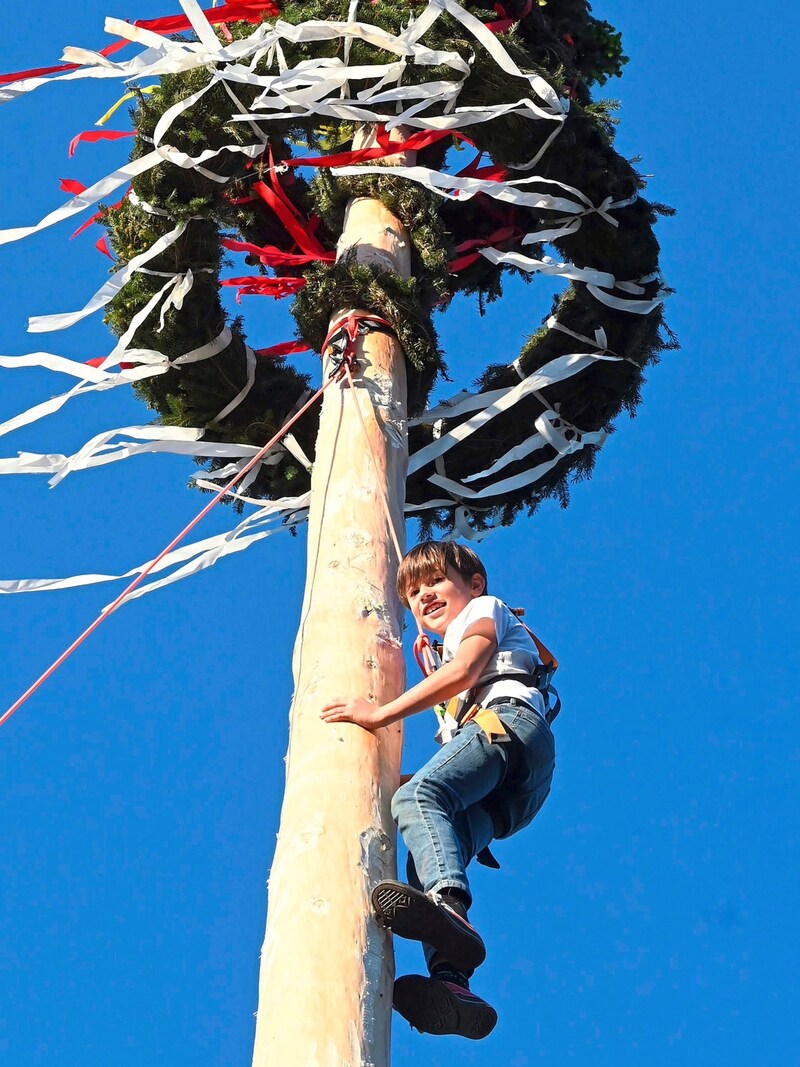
(433, 1006)
(410, 913)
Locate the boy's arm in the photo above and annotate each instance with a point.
(462, 672)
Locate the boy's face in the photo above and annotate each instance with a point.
(440, 597)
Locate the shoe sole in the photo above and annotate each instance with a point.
(409, 913)
(430, 1007)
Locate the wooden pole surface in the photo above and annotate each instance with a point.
(325, 988)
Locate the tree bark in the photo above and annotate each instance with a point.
(325, 990)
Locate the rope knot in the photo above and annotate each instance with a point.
(340, 344)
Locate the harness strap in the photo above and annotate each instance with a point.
(541, 678)
(545, 655)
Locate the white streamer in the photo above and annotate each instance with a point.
(547, 433)
(200, 554)
(102, 188)
(494, 402)
(638, 307)
(250, 358)
(550, 267)
(454, 187)
(46, 323)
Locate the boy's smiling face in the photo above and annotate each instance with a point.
(436, 600)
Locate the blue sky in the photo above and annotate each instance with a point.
(649, 915)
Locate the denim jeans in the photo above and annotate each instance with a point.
(471, 792)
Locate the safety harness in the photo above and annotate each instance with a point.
(541, 678)
(428, 656)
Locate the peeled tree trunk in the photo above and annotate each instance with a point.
(325, 989)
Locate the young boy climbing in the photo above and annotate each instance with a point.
(488, 780)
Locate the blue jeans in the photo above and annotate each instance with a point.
(471, 792)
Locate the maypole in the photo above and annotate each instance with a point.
(373, 161)
(325, 992)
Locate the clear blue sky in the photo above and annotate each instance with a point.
(650, 914)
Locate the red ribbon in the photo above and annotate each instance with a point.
(504, 24)
(71, 185)
(97, 135)
(492, 172)
(285, 348)
(233, 11)
(294, 223)
(271, 256)
(505, 233)
(260, 286)
(98, 215)
(415, 143)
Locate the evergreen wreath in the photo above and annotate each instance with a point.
(557, 39)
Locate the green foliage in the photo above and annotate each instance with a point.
(560, 41)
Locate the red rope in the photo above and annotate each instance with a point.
(175, 541)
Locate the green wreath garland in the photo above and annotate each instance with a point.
(557, 39)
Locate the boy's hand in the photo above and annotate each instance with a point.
(353, 709)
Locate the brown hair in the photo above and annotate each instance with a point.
(432, 557)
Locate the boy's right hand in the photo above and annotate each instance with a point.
(357, 710)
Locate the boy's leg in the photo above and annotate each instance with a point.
(435, 1006)
(444, 825)
(435, 959)
(442, 1003)
(439, 811)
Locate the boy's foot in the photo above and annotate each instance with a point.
(434, 1006)
(410, 913)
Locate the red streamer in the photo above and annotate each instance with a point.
(285, 348)
(504, 234)
(98, 215)
(98, 135)
(273, 257)
(71, 185)
(298, 227)
(505, 23)
(233, 11)
(260, 286)
(415, 143)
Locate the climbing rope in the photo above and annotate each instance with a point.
(335, 376)
(345, 333)
(341, 345)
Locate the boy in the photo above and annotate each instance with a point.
(488, 780)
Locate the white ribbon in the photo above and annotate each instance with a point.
(201, 26)
(99, 450)
(494, 402)
(550, 267)
(102, 188)
(46, 323)
(546, 434)
(250, 358)
(49, 407)
(196, 556)
(507, 485)
(454, 187)
(57, 364)
(151, 363)
(638, 307)
(593, 279)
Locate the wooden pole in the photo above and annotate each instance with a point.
(325, 989)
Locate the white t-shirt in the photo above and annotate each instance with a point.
(515, 654)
